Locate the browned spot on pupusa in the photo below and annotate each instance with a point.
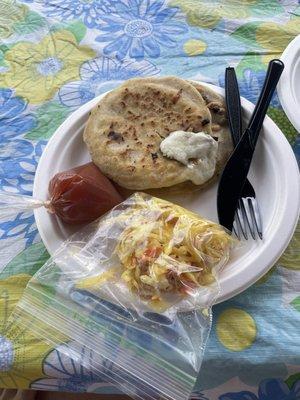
(115, 136)
(177, 96)
(216, 108)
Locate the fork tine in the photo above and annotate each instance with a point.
(247, 215)
(236, 230)
(255, 214)
(239, 219)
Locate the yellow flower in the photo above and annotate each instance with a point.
(38, 70)
(236, 329)
(275, 37)
(194, 47)
(21, 353)
(209, 13)
(10, 13)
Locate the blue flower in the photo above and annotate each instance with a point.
(251, 84)
(22, 225)
(76, 368)
(17, 171)
(17, 159)
(18, 162)
(139, 28)
(13, 116)
(64, 372)
(75, 9)
(269, 389)
(17, 176)
(100, 75)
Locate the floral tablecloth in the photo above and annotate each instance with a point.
(55, 55)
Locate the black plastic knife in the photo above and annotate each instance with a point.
(236, 170)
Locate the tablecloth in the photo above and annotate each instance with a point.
(55, 55)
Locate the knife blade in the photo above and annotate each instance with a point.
(233, 105)
(236, 170)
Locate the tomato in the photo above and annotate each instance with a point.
(82, 194)
(152, 252)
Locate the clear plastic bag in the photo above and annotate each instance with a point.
(135, 288)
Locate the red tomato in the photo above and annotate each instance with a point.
(152, 252)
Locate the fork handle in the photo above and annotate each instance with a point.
(274, 72)
(233, 105)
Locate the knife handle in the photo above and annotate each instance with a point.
(233, 105)
(274, 72)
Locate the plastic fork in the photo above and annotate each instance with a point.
(247, 217)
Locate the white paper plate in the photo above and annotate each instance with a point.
(274, 174)
(289, 84)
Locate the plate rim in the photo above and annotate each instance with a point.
(240, 285)
(284, 86)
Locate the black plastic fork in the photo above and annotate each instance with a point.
(247, 213)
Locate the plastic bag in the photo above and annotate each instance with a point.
(79, 195)
(135, 289)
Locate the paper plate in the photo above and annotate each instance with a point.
(274, 174)
(289, 84)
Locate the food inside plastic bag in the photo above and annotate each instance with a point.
(79, 195)
(134, 289)
(164, 254)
